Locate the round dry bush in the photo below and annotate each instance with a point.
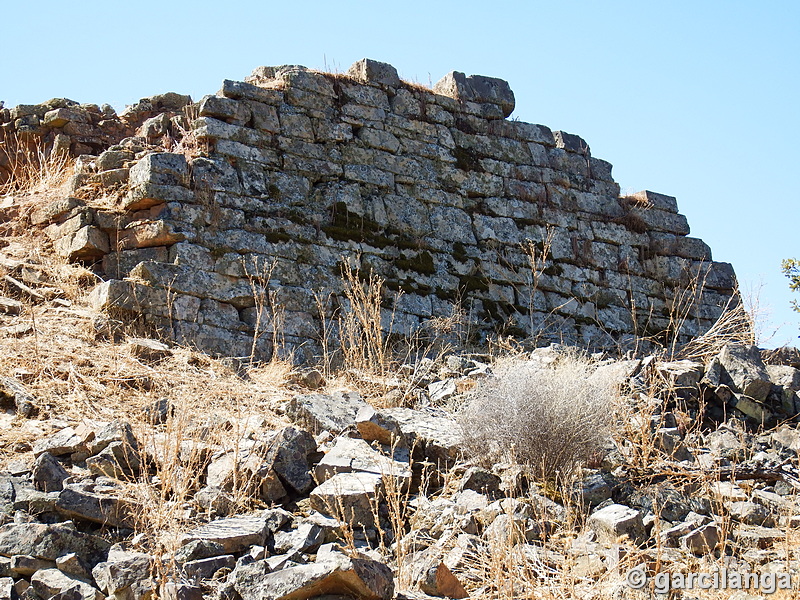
(549, 418)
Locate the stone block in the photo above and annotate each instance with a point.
(247, 91)
(477, 88)
(374, 72)
(747, 371)
(571, 143)
(149, 234)
(350, 497)
(325, 412)
(88, 243)
(350, 455)
(225, 109)
(334, 575)
(146, 195)
(616, 521)
(656, 200)
(235, 534)
(76, 502)
(160, 168)
(49, 582)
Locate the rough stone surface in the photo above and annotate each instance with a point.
(234, 533)
(337, 574)
(51, 541)
(616, 521)
(48, 474)
(324, 412)
(348, 496)
(744, 366)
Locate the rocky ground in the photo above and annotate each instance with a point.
(135, 470)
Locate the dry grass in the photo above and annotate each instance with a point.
(549, 419)
(30, 168)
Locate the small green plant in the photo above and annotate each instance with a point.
(791, 268)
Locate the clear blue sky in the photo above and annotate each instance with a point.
(696, 99)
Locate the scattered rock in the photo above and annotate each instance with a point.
(337, 574)
(615, 522)
(326, 412)
(49, 542)
(15, 394)
(48, 475)
(235, 534)
(349, 497)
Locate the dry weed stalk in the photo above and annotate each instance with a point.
(269, 311)
(29, 167)
(735, 325)
(365, 346)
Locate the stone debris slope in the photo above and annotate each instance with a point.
(345, 499)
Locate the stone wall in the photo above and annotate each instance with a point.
(292, 174)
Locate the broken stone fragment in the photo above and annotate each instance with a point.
(205, 568)
(116, 431)
(50, 542)
(25, 566)
(122, 571)
(290, 453)
(744, 366)
(750, 513)
(702, 540)
(49, 582)
(71, 564)
(81, 502)
(325, 412)
(374, 72)
(349, 497)
(306, 537)
(172, 590)
(617, 521)
(336, 574)
(234, 534)
(118, 460)
(480, 480)
(48, 475)
(9, 306)
(87, 243)
(376, 426)
(15, 393)
(436, 436)
(354, 455)
(440, 581)
(477, 88)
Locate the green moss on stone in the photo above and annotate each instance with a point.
(460, 252)
(467, 159)
(421, 263)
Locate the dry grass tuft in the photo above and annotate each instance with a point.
(550, 420)
(27, 167)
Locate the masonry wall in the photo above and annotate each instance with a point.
(292, 174)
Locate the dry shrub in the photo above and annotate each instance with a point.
(550, 419)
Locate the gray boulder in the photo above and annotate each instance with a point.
(354, 577)
(616, 521)
(50, 542)
(48, 475)
(747, 371)
(325, 412)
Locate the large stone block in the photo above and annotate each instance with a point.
(374, 72)
(477, 88)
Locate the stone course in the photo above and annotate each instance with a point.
(295, 174)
